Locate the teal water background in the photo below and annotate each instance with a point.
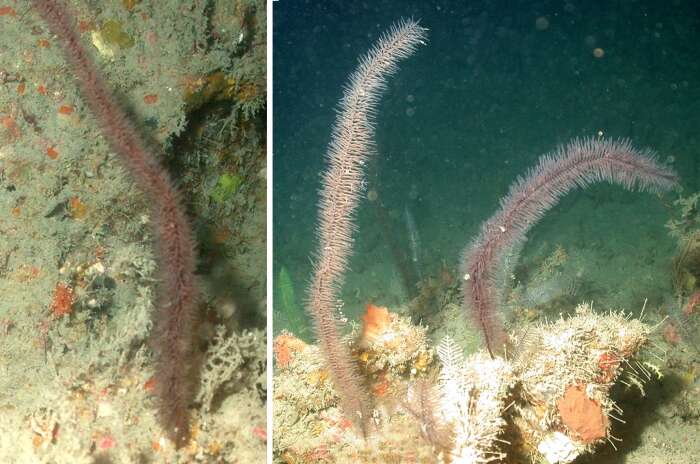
(499, 84)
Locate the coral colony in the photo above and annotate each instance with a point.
(351, 145)
(540, 393)
(173, 320)
(578, 164)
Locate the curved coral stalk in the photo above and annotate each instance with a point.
(578, 164)
(176, 309)
(351, 144)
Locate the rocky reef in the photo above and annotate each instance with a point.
(548, 400)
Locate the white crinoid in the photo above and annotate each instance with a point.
(472, 396)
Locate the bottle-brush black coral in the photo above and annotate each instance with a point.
(578, 164)
(351, 144)
(173, 334)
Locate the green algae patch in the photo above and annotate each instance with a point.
(113, 34)
(226, 186)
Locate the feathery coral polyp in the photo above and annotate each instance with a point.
(578, 164)
(173, 333)
(352, 143)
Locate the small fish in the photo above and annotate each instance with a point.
(413, 240)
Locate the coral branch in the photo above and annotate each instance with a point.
(176, 309)
(351, 145)
(578, 164)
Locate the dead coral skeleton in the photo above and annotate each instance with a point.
(225, 356)
(44, 424)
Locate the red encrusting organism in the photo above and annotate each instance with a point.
(693, 302)
(62, 301)
(173, 333)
